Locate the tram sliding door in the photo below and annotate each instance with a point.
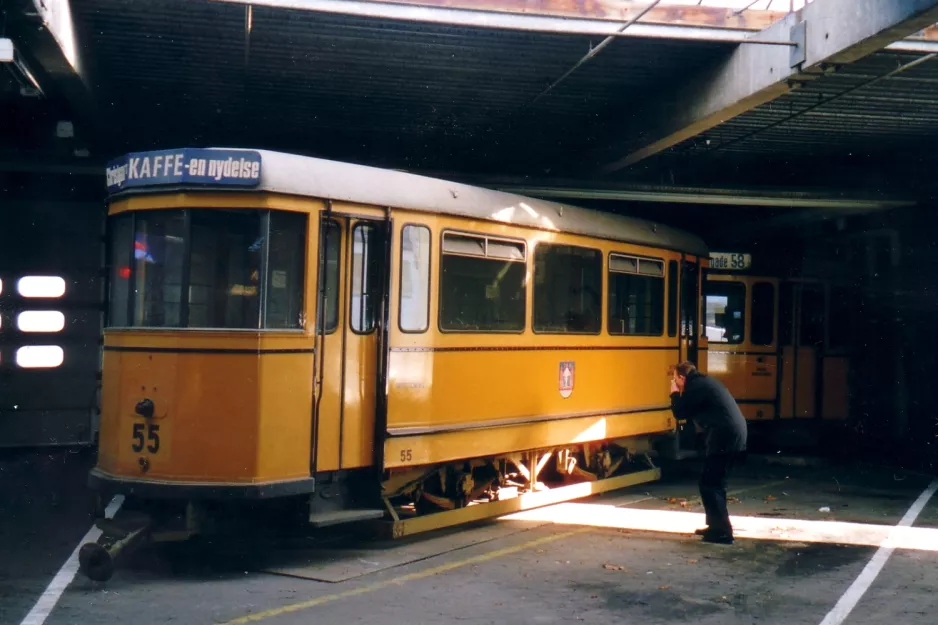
(352, 280)
(802, 317)
(690, 309)
(689, 336)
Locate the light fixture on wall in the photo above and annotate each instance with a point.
(13, 62)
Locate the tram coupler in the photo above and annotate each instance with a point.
(96, 560)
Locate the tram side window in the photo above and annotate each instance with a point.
(159, 251)
(812, 317)
(366, 274)
(414, 314)
(285, 258)
(636, 296)
(672, 297)
(726, 312)
(841, 318)
(121, 253)
(330, 240)
(203, 268)
(763, 313)
(786, 296)
(224, 282)
(567, 289)
(482, 284)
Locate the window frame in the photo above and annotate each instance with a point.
(602, 288)
(664, 293)
(478, 235)
(304, 251)
(747, 313)
(751, 294)
(351, 277)
(184, 270)
(324, 223)
(400, 276)
(673, 288)
(265, 214)
(815, 288)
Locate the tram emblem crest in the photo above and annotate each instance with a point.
(567, 376)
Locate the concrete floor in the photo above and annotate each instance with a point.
(580, 562)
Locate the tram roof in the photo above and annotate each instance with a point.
(307, 176)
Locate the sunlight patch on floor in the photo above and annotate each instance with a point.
(745, 527)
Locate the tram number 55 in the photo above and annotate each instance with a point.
(152, 435)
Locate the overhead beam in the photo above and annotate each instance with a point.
(44, 33)
(563, 17)
(835, 32)
(614, 10)
(27, 81)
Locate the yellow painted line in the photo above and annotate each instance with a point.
(397, 581)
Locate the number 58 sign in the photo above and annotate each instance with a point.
(729, 260)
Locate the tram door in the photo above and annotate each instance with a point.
(689, 335)
(690, 310)
(802, 314)
(351, 295)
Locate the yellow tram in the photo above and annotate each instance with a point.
(774, 343)
(373, 344)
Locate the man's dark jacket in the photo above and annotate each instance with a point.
(707, 402)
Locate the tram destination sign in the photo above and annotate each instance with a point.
(730, 261)
(186, 166)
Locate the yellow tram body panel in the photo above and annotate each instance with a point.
(230, 407)
(449, 446)
(220, 416)
(458, 394)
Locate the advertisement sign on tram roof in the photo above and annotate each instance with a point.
(186, 166)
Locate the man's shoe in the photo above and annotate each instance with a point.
(720, 539)
(702, 531)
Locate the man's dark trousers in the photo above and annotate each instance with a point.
(713, 493)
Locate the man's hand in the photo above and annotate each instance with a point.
(674, 388)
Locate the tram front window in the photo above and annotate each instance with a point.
(726, 312)
(207, 269)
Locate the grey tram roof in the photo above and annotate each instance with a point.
(308, 176)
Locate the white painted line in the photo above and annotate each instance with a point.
(862, 583)
(46, 603)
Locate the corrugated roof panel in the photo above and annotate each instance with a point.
(170, 69)
(857, 109)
